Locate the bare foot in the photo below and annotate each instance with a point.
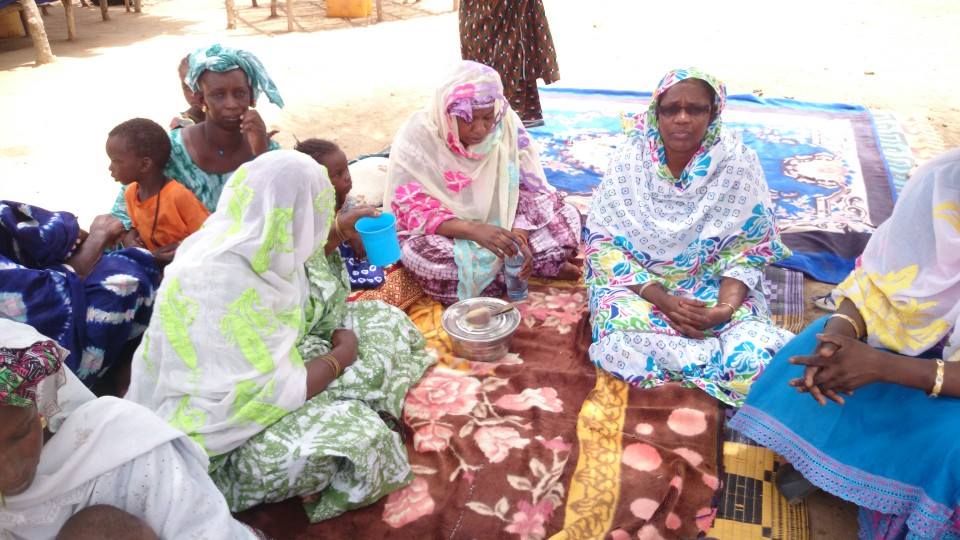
(569, 271)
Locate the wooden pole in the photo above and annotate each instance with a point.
(289, 15)
(231, 14)
(71, 19)
(136, 6)
(103, 10)
(273, 9)
(37, 32)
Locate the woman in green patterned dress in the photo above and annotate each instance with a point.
(249, 338)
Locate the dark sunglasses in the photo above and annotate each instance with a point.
(693, 111)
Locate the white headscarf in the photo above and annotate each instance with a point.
(219, 360)
(480, 183)
(715, 217)
(907, 282)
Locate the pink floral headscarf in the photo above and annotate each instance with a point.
(478, 183)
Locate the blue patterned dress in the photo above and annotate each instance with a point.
(93, 317)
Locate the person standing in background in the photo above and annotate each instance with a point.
(513, 37)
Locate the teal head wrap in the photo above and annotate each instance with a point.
(219, 58)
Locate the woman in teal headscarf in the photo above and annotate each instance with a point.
(228, 83)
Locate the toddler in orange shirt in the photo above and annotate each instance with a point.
(162, 211)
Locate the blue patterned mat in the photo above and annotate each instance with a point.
(826, 164)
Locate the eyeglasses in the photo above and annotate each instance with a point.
(693, 111)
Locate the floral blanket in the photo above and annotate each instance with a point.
(539, 444)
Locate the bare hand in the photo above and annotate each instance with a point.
(253, 128)
(500, 241)
(132, 239)
(824, 349)
(524, 241)
(681, 315)
(348, 226)
(703, 317)
(164, 255)
(343, 339)
(843, 364)
(107, 229)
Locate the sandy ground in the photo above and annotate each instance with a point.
(356, 81)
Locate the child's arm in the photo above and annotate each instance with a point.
(119, 209)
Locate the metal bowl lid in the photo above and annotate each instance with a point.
(454, 320)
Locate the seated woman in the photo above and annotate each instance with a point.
(55, 277)
(68, 459)
(678, 234)
(250, 340)
(227, 83)
(467, 187)
(886, 447)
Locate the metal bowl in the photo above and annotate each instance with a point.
(482, 344)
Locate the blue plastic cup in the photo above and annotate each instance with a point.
(379, 237)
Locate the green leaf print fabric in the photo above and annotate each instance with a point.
(336, 451)
(249, 299)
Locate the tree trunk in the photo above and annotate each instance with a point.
(231, 14)
(289, 15)
(71, 19)
(103, 10)
(37, 32)
(273, 9)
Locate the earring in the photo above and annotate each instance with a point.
(43, 422)
(204, 109)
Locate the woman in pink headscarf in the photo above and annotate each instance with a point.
(467, 187)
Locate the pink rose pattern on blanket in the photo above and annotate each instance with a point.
(458, 404)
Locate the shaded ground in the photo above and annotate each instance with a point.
(356, 81)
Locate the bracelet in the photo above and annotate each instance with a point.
(644, 287)
(337, 229)
(849, 319)
(938, 382)
(732, 308)
(334, 364)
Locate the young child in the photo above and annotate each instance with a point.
(363, 275)
(162, 211)
(194, 114)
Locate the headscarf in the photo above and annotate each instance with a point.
(647, 124)
(907, 282)
(219, 58)
(26, 359)
(219, 359)
(35, 237)
(480, 183)
(715, 217)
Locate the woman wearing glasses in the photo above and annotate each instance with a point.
(678, 235)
